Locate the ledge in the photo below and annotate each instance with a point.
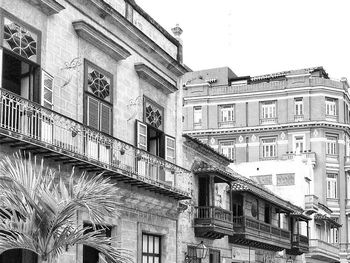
(99, 40)
(153, 78)
(48, 7)
(142, 40)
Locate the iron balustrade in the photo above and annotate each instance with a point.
(35, 122)
(268, 121)
(250, 223)
(213, 212)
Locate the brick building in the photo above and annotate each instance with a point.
(265, 123)
(93, 84)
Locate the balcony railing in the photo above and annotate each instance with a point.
(300, 240)
(311, 202)
(266, 121)
(213, 212)
(275, 85)
(260, 227)
(305, 156)
(49, 129)
(320, 246)
(226, 124)
(331, 117)
(298, 118)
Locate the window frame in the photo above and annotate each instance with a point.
(298, 106)
(147, 254)
(271, 107)
(331, 144)
(331, 103)
(197, 109)
(232, 149)
(269, 144)
(332, 185)
(303, 141)
(101, 101)
(227, 109)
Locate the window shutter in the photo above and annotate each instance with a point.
(46, 90)
(106, 113)
(141, 135)
(92, 112)
(170, 146)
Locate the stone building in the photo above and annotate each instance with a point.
(275, 125)
(93, 84)
(236, 218)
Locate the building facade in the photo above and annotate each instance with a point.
(92, 84)
(261, 121)
(236, 218)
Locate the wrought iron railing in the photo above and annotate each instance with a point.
(34, 122)
(213, 212)
(250, 223)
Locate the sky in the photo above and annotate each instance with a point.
(256, 37)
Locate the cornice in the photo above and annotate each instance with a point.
(48, 7)
(155, 79)
(142, 40)
(277, 127)
(95, 37)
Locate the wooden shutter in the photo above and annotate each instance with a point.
(46, 90)
(141, 135)
(170, 148)
(106, 114)
(93, 112)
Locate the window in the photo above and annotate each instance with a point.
(334, 235)
(226, 115)
(298, 106)
(92, 255)
(332, 179)
(150, 248)
(331, 145)
(21, 58)
(98, 98)
(197, 117)
(268, 109)
(267, 214)
(192, 254)
(331, 107)
(227, 148)
(269, 147)
(299, 143)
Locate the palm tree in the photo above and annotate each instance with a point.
(38, 210)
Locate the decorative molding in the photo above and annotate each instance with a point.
(155, 79)
(98, 39)
(48, 7)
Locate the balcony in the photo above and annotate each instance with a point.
(255, 233)
(226, 124)
(300, 245)
(267, 121)
(311, 204)
(332, 118)
(28, 126)
(298, 118)
(305, 156)
(322, 250)
(212, 222)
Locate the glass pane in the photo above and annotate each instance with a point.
(144, 259)
(156, 260)
(150, 244)
(144, 243)
(156, 245)
(150, 259)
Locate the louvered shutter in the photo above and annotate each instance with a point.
(170, 146)
(93, 112)
(47, 90)
(106, 114)
(141, 135)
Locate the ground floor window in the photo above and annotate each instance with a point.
(150, 248)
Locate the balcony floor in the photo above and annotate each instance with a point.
(49, 151)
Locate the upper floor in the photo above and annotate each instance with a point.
(96, 81)
(297, 96)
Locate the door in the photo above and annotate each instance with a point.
(214, 256)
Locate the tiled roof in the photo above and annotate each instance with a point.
(247, 185)
(301, 216)
(327, 219)
(204, 168)
(207, 148)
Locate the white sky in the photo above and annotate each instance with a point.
(255, 37)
